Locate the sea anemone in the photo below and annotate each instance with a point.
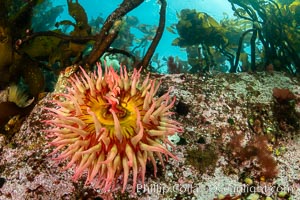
(18, 96)
(110, 125)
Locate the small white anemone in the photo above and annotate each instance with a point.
(18, 96)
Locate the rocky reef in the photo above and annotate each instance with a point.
(234, 145)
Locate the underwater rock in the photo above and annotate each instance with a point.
(30, 172)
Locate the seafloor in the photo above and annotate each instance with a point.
(223, 115)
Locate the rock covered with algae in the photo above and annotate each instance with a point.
(213, 110)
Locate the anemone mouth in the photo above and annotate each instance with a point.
(125, 109)
(105, 117)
